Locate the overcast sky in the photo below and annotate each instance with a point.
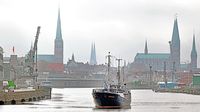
(118, 26)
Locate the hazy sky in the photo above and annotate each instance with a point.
(118, 26)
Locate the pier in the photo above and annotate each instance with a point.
(19, 96)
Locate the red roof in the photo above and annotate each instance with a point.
(185, 79)
(56, 67)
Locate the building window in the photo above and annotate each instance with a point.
(1, 56)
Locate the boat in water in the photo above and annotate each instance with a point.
(112, 95)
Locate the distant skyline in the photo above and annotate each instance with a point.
(118, 26)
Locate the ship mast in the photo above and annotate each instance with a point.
(118, 70)
(123, 72)
(109, 62)
(107, 85)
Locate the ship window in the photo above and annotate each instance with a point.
(111, 96)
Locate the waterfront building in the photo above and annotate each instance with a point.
(13, 67)
(80, 70)
(143, 61)
(196, 80)
(154, 60)
(53, 62)
(1, 63)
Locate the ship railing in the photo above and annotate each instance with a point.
(99, 90)
(108, 90)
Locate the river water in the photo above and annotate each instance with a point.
(80, 100)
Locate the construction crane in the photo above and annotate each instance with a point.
(35, 47)
(31, 58)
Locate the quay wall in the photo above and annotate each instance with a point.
(18, 97)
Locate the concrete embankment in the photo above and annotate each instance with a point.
(19, 96)
(193, 91)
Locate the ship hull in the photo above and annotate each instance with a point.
(110, 100)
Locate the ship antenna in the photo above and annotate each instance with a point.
(123, 71)
(109, 62)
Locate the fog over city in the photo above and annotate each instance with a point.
(118, 26)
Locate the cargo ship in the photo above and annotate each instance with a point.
(112, 95)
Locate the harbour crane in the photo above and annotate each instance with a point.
(31, 57)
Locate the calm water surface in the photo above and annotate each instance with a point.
(80, 100)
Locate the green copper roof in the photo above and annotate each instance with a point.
(58, 30)
(175, 34)
(47, 58)
(184, 66)
(194, 51)
(146, 48)
(152, 55)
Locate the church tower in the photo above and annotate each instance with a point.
(193, 55)
(93, 60)
(58, 48)
(146, 48)
(73, 59)
(175, 47)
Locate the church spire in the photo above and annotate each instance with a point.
(58, 30)
(93, 60)
(94, 52)
(58, 47)
(175, 35)
(175, 46)
(73, 59)
(193, 54)
(194, 45)
(146, 48)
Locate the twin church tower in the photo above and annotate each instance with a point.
(172, 59)
(175, 49)
(58, 48)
